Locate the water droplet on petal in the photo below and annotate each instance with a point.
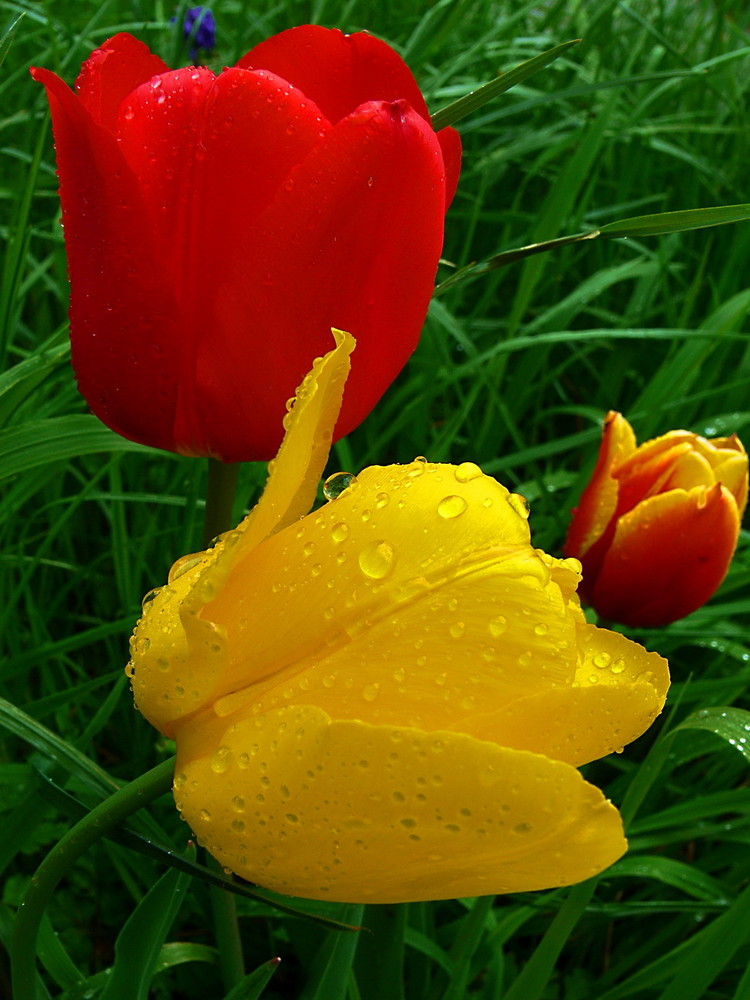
(221, 760)
(467, 471)
(451, 506)
(339, 532)
(520, 505)
(602, 660)
(376, 560)
(382, 499)
(335, 485)
(370, 693)
(498, 625)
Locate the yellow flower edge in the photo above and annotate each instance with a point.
(343, 810)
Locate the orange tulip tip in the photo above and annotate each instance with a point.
(647, 561)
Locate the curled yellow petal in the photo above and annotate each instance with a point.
(178, 657)
(347, 811)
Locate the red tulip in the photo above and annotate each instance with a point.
(657, 525)
(217, 227)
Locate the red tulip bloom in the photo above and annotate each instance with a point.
(218, 227)
(658, 523)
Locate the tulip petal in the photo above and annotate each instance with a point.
(618, 691)
(668, 556)
(125, 328)
(346, 811)
(352, 241)
(731, 469)
(421, 570)
(178, 658)
(338, 72)
(450, 145)
(599, 500)
(111, 72)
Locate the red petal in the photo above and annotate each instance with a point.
(124, 321)
(450, 144)
(352, 240)
(111, 72)
(210, 154)
(668, 557)
(337, 71)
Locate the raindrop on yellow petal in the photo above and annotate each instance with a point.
(452, 506)
(467, 471)
(520, 505)
(335, 485)
(377, 559)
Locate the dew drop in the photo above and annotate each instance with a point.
(150, 596)
(498, 625)
(382, 500)
(221, 760)
(376, 559)
(205, 815)
(618, 666)
(457, 629)
(339, 531)
(335, 485)
(238, 803)
(520, 505)
(179, 781)
(370, 693)
(451, 506)
(541, 628)
(602, 660)
(467, 471)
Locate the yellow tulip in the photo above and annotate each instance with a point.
(386, 699)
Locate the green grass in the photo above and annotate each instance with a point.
(515, 370)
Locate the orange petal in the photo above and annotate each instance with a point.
(668, 556)
(599, 500)
(346, 811)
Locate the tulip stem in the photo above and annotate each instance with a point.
(222, 486)
(227, 933)
(107, 815)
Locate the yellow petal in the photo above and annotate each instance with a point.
(351, 812)
(413, 598)
(618, 691)
(179, 657)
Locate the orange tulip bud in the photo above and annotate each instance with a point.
(658, 523)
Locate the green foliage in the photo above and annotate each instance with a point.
(516, 367)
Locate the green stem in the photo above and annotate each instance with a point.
(227, 933)
(222, 486)
(110, 813)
